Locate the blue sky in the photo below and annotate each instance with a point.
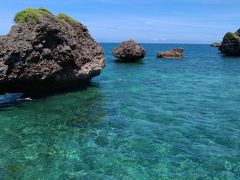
(163, 21)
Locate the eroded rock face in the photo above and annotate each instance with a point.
(129, 51)
(176, 53)
(48, 55)
(231, 44)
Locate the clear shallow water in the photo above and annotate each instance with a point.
(156, 119)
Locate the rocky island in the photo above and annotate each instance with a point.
(44, 52)
(215, 44)
(231, 44)
(176, 53)
(129, 51)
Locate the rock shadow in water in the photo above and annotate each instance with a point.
(128, 62)
(11, 99)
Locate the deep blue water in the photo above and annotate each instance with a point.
(155, 119)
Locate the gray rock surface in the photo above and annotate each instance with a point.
(48, 55)
(215, 44)
(129, 51)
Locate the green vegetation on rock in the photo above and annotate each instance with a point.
(66, 18)
(45, 11)
(26, 15)
(36, 15)
(231, 36)
(31, 15)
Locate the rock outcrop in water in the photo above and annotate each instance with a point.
(216, 44)
(231, 44)
(176, 53)
(46, 52)
(129, 51)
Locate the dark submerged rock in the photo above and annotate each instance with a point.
(44, 52)
(231, 44)
(129, 51)
(176, 53)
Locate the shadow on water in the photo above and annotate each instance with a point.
(138, 62)
(10, 99)
(226, 57)
(81, 87)
(52, 134)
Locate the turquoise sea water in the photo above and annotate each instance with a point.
(155, 119)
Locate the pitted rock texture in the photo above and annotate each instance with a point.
(129, 51)
(47, 55)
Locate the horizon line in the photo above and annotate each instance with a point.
(156, 43)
